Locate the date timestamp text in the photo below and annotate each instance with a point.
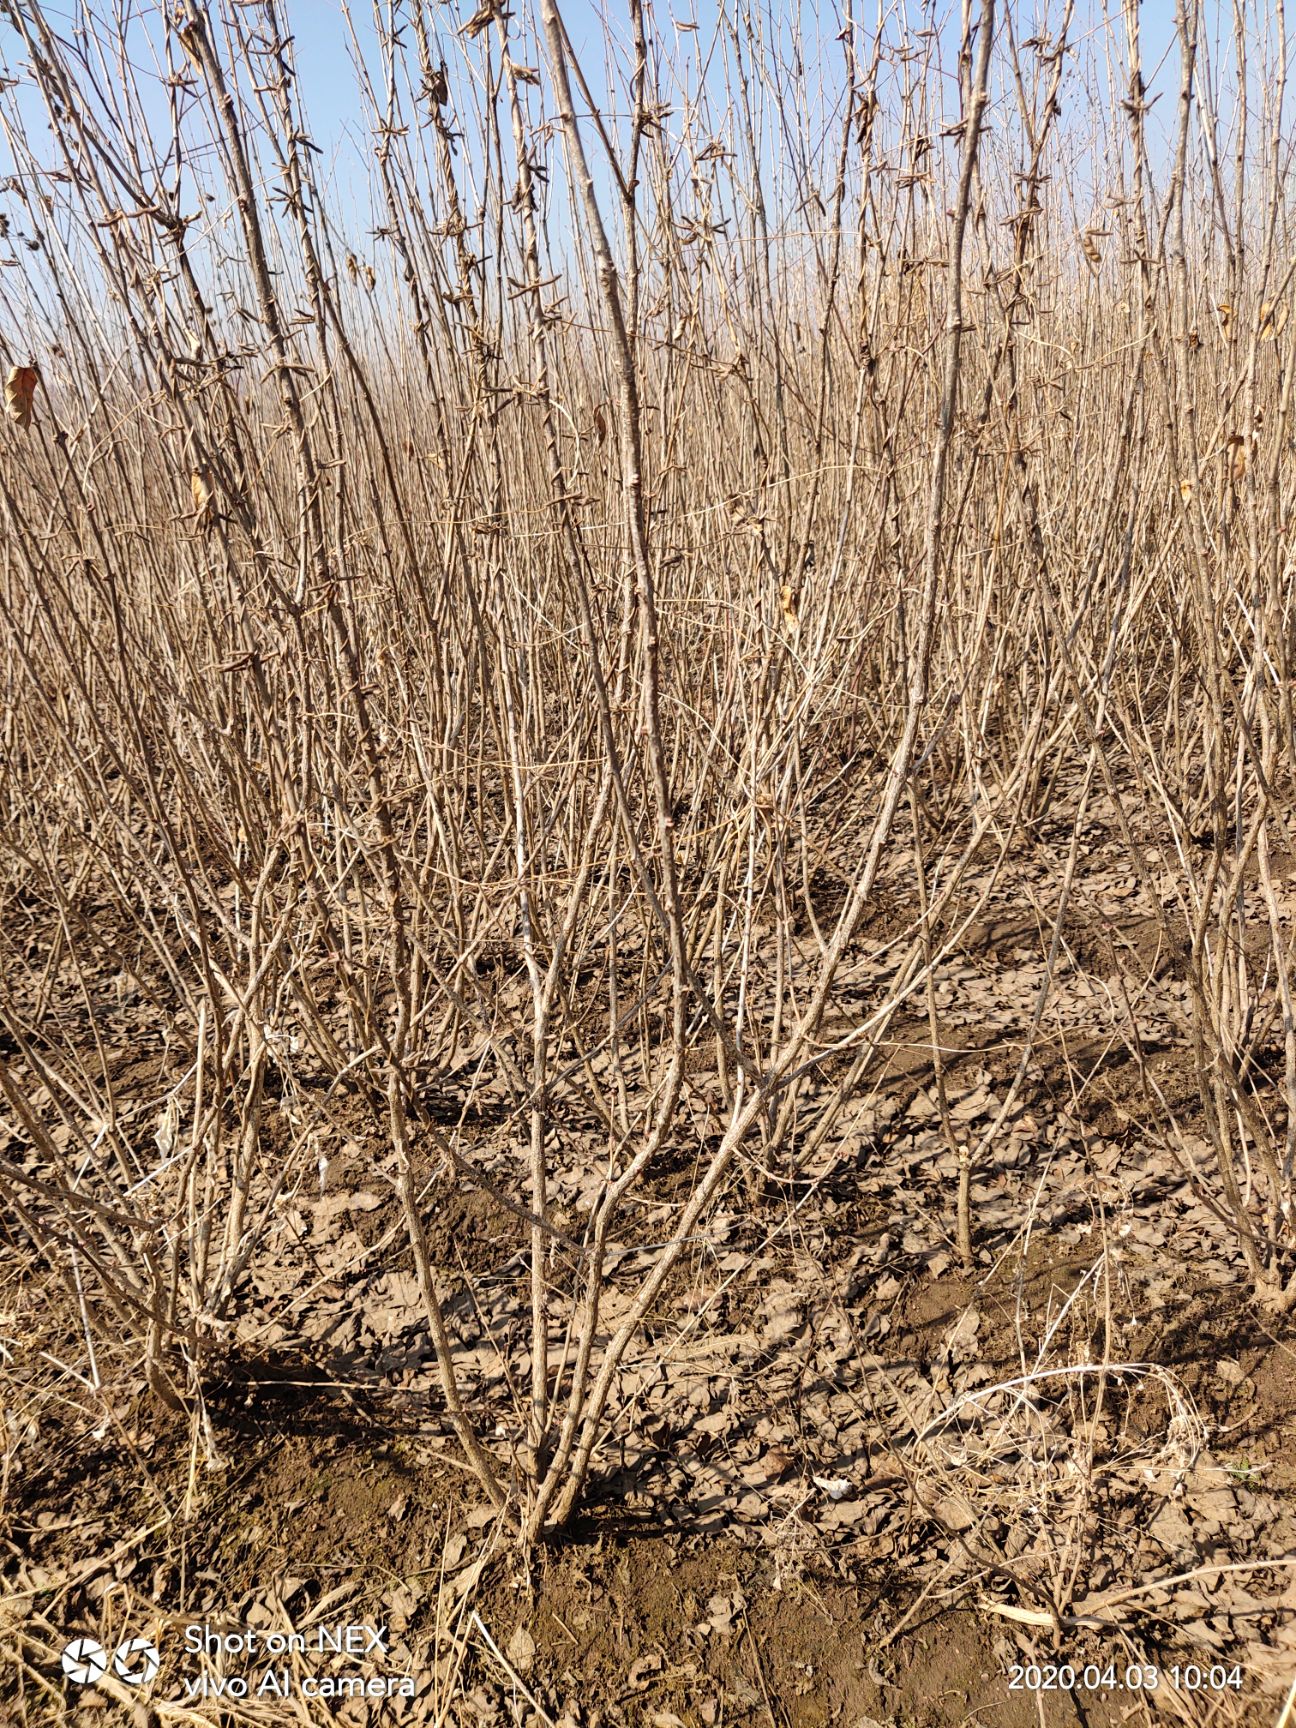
(1132, 1677)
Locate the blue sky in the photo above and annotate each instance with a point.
(323, 49)
(324, 65)
(691, 37)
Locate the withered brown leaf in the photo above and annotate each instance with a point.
(20, 390)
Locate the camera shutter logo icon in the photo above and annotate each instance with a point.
(135, 1661)
(84, 1661)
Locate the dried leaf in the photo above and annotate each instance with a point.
(785, 1317)
(787, 600)
(835, 1487)
(187, 36)
(643, 1669)
(438, 86)
(1237, 457)
(960, 1342)
(1225, 311)
(20, 389)
(168, 1128)
(521, 1650)
(481, 19)
(200, 486)
(1186, 491)
(775, 1463)
(1273, 320)
(721, 1613)
(600, 424)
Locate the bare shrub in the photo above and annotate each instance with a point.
(496, 657)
